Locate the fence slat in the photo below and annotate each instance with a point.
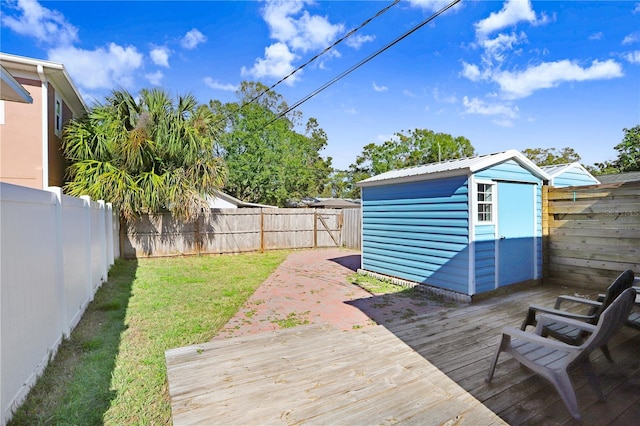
(243, 230)
(593, 233)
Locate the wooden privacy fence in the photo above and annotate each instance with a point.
(591, 233)
(236, 231)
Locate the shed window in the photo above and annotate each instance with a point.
(485, 202)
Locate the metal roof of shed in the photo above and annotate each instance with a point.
(456, 167)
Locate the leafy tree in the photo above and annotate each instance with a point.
(268, 161)
(145, 155)
(629, 150)
(628, 154)
(551, 156)
(416, 147)
(419, 146)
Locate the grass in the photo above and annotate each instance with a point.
(112, 369)
(379, 287)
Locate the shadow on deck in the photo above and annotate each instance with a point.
(460, 343)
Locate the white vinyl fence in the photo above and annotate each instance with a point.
(55, 251)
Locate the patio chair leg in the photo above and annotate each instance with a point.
(529, 320)
(504, 341)
(607, 354)
(592, 378)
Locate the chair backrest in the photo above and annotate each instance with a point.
(615, 289)
(609, 323)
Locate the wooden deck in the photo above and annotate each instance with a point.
(429, 370)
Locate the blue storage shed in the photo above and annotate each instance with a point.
(572, 174)
(467, 226)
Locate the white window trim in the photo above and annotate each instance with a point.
(1, 112)
(494, 204)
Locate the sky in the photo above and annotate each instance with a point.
(506, 75)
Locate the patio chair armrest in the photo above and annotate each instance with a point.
(546, 310)
(545, 319)
(516, 333)
(575, 299)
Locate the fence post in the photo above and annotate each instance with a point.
(59, 254)
(262, 230)
(104, 268)
(87, 245)
(109, 233)
(315, 228)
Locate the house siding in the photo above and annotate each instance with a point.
(418, 231)
(21, 135)
(56, 161)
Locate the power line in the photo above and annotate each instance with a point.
(328, 48)
(365, 60)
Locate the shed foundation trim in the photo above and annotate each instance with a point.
(430, 290)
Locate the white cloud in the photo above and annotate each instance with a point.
(409, 93)
(504, 112)
(277, 63)
(634, 37)
(447, 99)
(102, 68)
(351, 111)
(295, 30)
(431, 5)
(379, 88)
(471, 71)
(636, 9)
(160, 56)
(596, 36)
(214, 84)
(633, 57)
(192, 39)
(494, 49)
(551, 74)
(303, 33)
(155, 78)
(512, 13)
(357, 40)
(34, 20)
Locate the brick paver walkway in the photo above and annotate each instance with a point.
(312, 287)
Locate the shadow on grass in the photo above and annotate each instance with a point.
(75, 388)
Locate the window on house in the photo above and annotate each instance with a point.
(1, 112)
(58, 116)
(485, 202)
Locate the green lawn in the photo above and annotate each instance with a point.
(112, 369)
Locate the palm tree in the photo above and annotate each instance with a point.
(145, 155)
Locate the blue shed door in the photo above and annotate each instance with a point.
(516, 228)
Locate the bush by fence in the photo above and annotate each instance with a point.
(592, 233)
(55, 251)
(240, 230)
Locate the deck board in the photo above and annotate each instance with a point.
(426, 370)
(314, 375)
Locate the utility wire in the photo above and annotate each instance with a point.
(364, 61)
(328, 48)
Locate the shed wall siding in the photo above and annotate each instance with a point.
(573, 177)
(508, 171)
(418, 231)
(485, 249)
